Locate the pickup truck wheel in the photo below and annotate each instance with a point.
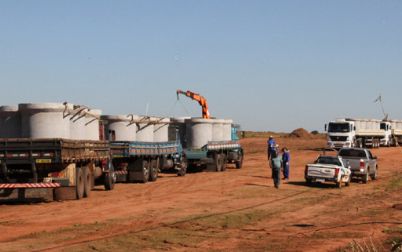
(153, 175)
(365, 178)
(347, 183)
(374, 175)
(79, 183)
(239, 163)
(87, 181)
(309, 182)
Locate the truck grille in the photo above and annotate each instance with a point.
(338, 138)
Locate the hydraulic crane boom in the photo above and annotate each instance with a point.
(200, 99)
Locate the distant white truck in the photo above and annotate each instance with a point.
(396, 126)
(361, 133)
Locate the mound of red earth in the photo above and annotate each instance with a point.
(300, 133)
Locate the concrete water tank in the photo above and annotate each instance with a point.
(120, 127)
(198, 132)
(217, 129)
(177, 128)
(145, 129)
(77, 122)
(92, 129)
(227, 130)
(44, 120)
(10, 122)
(161, 130)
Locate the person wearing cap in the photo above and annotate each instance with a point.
(285, 162)
(271, 146)
(276, 165)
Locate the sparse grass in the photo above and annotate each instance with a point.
(395, 183)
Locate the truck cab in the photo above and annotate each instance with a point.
(387, 139)
(340, 133)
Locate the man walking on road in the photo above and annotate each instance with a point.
(271, 146)
(285, 161)
(276, 164)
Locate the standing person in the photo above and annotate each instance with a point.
(286, 163)
(271, 146)
(276, 164)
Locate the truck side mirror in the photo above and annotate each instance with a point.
(354, 127)
(325, 127)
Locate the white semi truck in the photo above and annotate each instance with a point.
(396, 126)
(350, 132)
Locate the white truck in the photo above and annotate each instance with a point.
(328, 168)
(361, 133)
(396, 126)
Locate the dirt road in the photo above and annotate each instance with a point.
(233, 210)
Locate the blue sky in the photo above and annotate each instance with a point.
(269, 65)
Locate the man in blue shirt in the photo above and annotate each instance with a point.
(285, 162)
(271, 146)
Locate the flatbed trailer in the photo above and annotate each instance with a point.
(142, 161)
(62, 164)
(215, 155)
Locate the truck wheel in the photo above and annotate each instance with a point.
(109, 178)
(224, 162)
(347, 183)
(239, 162)
(309, 182)
(79, 183)
(374, 175)
(87, 181)
(365, 178)
(154, 168)
(183, 169)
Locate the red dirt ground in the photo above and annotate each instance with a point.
(236, 210)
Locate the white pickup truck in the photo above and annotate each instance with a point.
(361, 162)
(328, 168)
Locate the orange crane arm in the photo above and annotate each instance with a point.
(200, 99)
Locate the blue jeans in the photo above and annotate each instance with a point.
(276, 176)
(286, 167)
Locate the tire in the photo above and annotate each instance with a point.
(79, 183)
(309, 182)
(183, 169)
(139, 171)
(375, 175)
(109, 178)
(224, 162)
(154, 169)
(239, 163)
(347, 183)
(87, 181)
(365, 178)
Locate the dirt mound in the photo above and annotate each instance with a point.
(300, 133)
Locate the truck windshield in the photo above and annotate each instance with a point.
(328, 160)
(352, 153)
(338, 127)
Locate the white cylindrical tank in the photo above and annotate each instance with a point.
(217, 129)
(177, 130)
(10, 122)
(77, 122)
(145, 129)
(199, 132)
(92, 129)
(161, 130)
(227, 130)
(120, 127)
(44, 120)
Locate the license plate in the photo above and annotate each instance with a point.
(43, 161)
(320, 180)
